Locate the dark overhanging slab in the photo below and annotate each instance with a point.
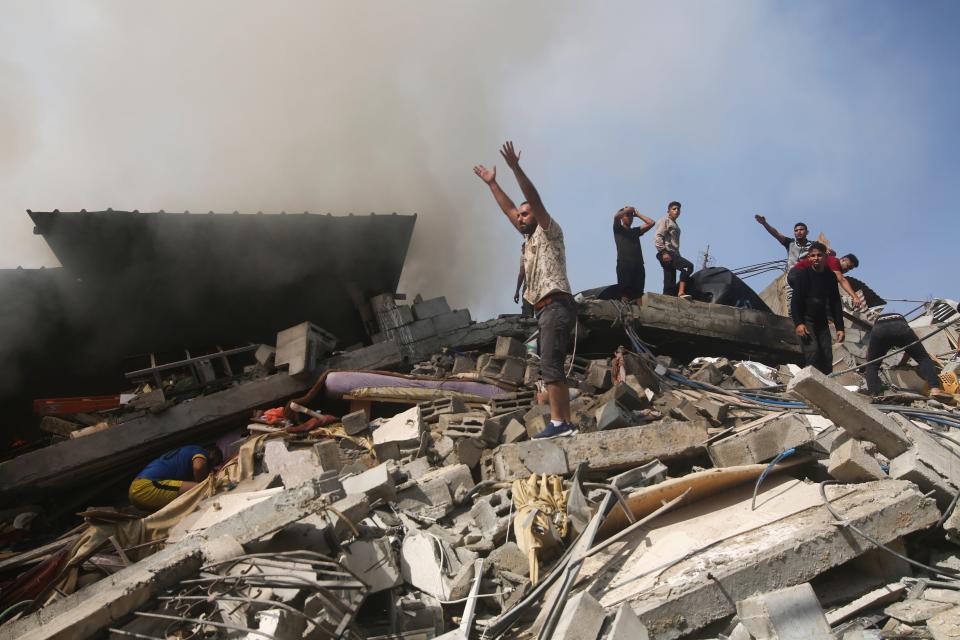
(687, 329)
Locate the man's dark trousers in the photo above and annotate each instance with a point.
(677, 263)
(817, 346)
(895, 332)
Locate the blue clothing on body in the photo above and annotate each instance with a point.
(173, 465)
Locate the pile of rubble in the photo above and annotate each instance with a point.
(710, 498)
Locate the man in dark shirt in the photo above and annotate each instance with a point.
(816, 294)
(631, 274)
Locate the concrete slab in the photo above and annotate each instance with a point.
(603, 451)
(850, 411)
(698, 560)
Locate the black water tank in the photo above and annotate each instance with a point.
(719, 286)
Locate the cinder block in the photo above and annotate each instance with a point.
(507, 346)
(394, 317)
(430, 308)
(709, 374)
(301, 347)
(463, 364)
(355, 422)
(626, 396)
(613, 416)
(599, 375)
(514, 432)
(505, 368)
(849, 462)
(447, 322)
(327, 455)
(714, 410)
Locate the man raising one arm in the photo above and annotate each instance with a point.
(797, 246)
(547, 287)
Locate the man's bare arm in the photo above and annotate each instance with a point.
(200, 469)
(506, 204)
(526, 186)
(521, 277)
(846, 286)
(647, 222)
(782, 239)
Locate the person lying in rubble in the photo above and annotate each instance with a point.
(631, 274)
(837, 266)
(667, 242)
(815, 294)
(547, 287)
(892, 331)
(172, 474)
(797, 246)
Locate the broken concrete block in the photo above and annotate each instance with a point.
(506, 369)
(492, 514)
(374, 562)
(514, 432)
(451, 321)
(626, 396)
(599, 375)
(849, 462)
(384, 355)
(463, 364)
(394, 317)
(430, 308)
(850, 411)
(763, 443)
(327, 455)
(634, 365)
(509, 557)
(355, 422)
(404, 428)
(627, 626)
(537, 424)
(714, 410)
(434, 567)
(507, 346)
(265, 355)
(793, 613)
(582, 618)
(469, 451)
(602, 451)
(613, 416)
(914, 611)
(373, 483)
(945, 625)
(300, 348)
(641, 476)
(708, 374)
(753, 375)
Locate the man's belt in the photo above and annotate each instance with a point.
(556, 296)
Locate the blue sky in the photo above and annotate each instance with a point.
(838, 114)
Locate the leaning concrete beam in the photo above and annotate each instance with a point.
(703, 587)
(850, 411)
(65, 463)
(602, 451)
(90, 610)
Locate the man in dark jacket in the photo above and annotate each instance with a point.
(815, 295)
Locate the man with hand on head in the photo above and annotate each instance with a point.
(667, 242)
(546, 288)
(815, 294)
(631, 274)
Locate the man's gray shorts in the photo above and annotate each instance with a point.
(556, 322)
